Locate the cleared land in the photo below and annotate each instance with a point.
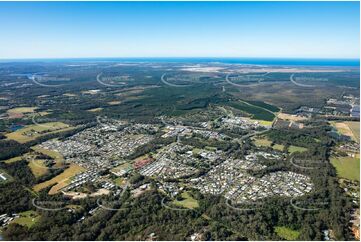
(263, 142)
(351, 129)
(268, 143)
(119, 181)
(355, 129)
(292, 149)
(52, 153)
(95, 110)
(287, 233)
(60, 180)
(70, 95)
(22, 110)
(38, 168)
(14, 159)
(187, 202)
(290, 117)
(347, 167)
(278, 147)
(114, 102)
(28, 218)
(32, 132)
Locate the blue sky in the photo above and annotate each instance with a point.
(179, 29)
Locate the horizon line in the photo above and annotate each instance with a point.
(183, 57)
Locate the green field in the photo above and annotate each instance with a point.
(292, 149)
(347, 167)
(119, 181)
(187, 202)
(14, 159)
(262, 142)
(287, 233)
(28, 218)
(268, 143)
(278, 147)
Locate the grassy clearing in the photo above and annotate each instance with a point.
(28, 218)
(278, 147)
(70, 95)
(344, 129)
(347, 167)
(60, 180)
(290, 117)
(292, 149)
(114, 102)
(38, 168)
(265, 123)
(263, 142)
(119, 181)
(125, 167)
(95, 110)
(22, 110)
(355, 129)
(52, 153)
(196, 151)
(32, 132)
(287, 233)
(187, 202)
(14, 159)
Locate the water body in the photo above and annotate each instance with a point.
(15, 127)
(247, 61)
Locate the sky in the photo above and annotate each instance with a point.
(179, 29)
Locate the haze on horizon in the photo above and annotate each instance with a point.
(179, 29)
